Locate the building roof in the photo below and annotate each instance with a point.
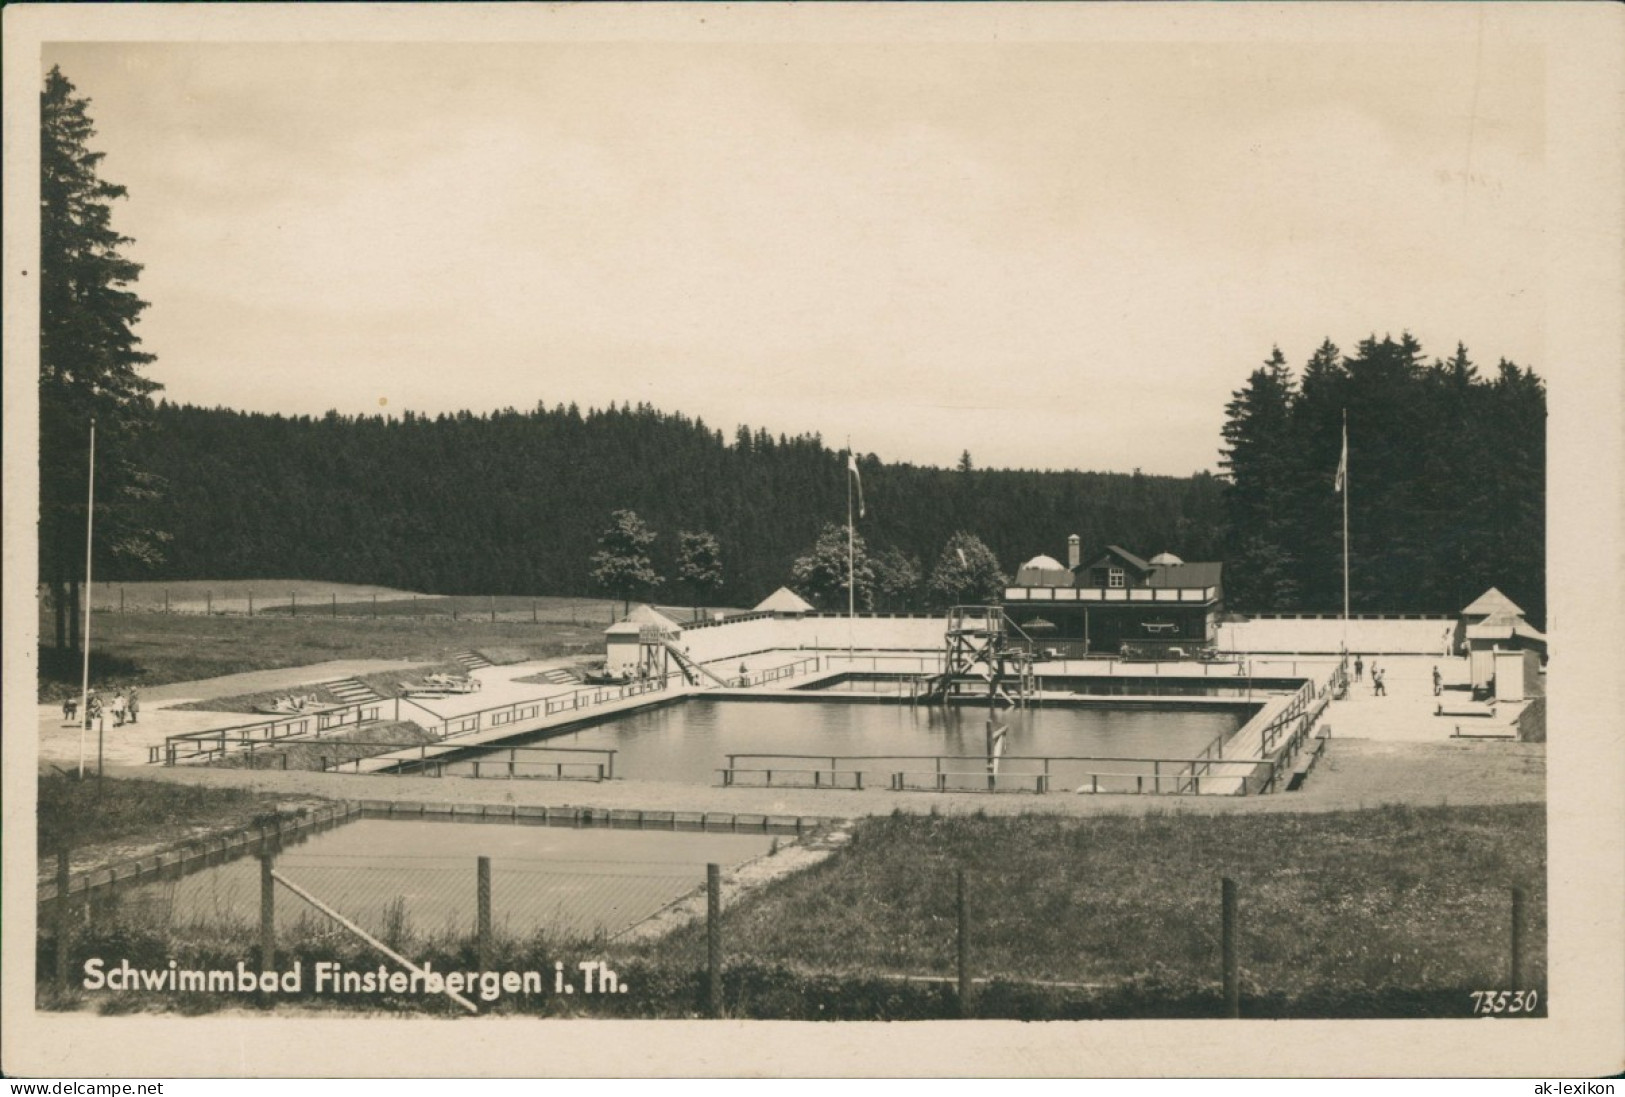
(1044, 571)
(1195, 574)
(783, 600)
(1505, 626)
(644, 616)
(1128, 557)
(1492, 601)
(1167, 558)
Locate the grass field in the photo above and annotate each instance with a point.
(315, 598)
(298, 621)
(335, 750)
(1376, 903)
(111, 819)
(149, 649)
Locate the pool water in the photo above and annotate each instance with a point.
(689, 742)
(567, 882)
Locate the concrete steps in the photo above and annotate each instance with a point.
(351, 691)
(472, 660)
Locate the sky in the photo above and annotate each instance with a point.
(1050, 254)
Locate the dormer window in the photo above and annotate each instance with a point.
(1115, 578)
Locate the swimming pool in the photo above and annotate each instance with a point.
(690, 742)
(422, 874)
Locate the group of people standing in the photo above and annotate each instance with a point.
(1379, 687)
(124, 705)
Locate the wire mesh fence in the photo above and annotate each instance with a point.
(892, 927)
(405, 897)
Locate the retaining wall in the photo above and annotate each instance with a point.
(1305, 636)
(1257, 636)
(730, 641)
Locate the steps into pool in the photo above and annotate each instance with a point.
(352, 691)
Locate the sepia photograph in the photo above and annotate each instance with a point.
(903, 518)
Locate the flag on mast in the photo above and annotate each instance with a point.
(1343, 463)
(852, 466)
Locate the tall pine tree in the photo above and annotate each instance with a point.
(89, 363)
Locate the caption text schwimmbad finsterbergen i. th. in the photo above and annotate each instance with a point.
(329, 977)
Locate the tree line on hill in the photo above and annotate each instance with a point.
(1445, 482)
(520, 503)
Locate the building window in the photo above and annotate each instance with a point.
(1116, 579)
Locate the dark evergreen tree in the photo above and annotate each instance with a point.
(89, 365)
(1446, 483)
(1261, 455)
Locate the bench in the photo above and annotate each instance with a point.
(730, 774)
(938, 780)
(1509, 733)
(1464, 708)
(1306, 761)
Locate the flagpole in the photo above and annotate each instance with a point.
(851, 537)
(84, 684)
(1345, 494)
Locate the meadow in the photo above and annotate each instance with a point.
(150, 649)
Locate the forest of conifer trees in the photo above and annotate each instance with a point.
(1446, 482)
(515, 502)
(1446, 492)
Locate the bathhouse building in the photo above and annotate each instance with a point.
(1117, 603)
(1504, 651)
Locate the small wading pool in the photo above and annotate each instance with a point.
(690, 742)
(567, 882)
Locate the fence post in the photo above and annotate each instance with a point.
(64, 921)
(483, 905)
(1517, 938)
(713, 938)
(121, 599)
(166, 599)
(267, 915)
(293, 603)
(964, 947)
(251, 603)
(335, 603)
(208, 603)
(1232, 984)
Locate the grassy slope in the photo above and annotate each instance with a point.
(1381, 898)
(128, 815)
(152, 649)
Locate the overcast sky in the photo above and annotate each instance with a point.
(1052, 255)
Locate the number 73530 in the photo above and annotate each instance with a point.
(1504, 1001)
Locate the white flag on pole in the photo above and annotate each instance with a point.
(1342, 464)
(852, 466)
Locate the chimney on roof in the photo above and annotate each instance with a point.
(1074, 551)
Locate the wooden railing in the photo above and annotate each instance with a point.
(216, 742)
(1167, 776)
(778, 674)
(600, 768)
